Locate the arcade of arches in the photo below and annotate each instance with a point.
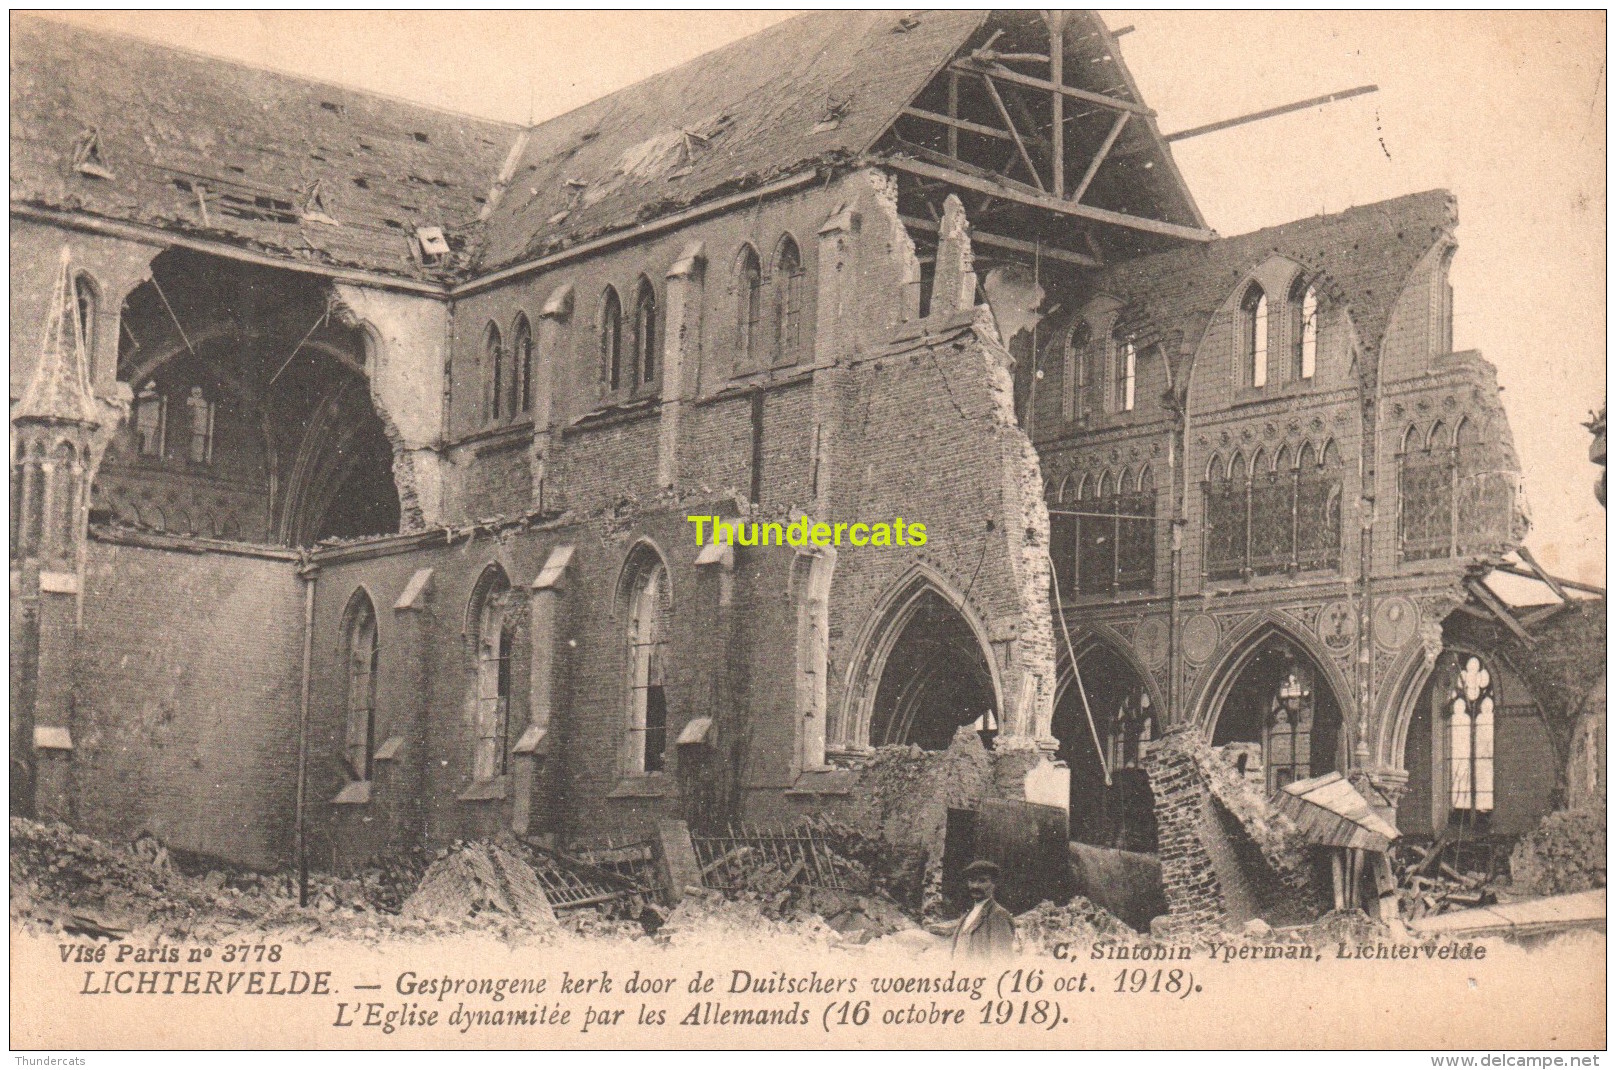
(252, 418)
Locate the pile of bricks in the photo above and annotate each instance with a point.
(1194, 896)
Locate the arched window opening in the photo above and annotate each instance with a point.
(1442, 306)
(1483, 763)
(1228, 521)
(84, 295)
(495, 625)
(360, 641)
(649, 609)
(645, 333)
(522, 358)
(788, 287)
(1123, 375)
(1076, 364)
(611, 339)
(151, 411)
(1254, 336)
(494, 363)
(1280, 518)
(1105, 540)
(1453, 499)
(201, 412)
(1304, 306)
(748, 307)
(1471, 702)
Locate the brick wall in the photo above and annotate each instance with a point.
(186, 700)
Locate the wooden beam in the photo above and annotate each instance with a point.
(1048, 86)
(1531, 563)
(1056, 20)
(1516, 570)
(953, 112)
(1004, 113)
(1100, 155)
(1492, 602)
(957, 124)
(1016, 245)
(1269, 113)
(1005, 190)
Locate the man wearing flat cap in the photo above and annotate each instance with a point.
(986, 930)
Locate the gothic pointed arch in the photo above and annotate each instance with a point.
(922, 668)
(1276, 702)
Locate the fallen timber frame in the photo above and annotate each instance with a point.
(1007, 189)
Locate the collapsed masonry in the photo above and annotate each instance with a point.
(1226, 855)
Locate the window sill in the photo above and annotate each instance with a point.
(824, 781)
(640, 786)
(354, 793)
(616, 409)
(485, 790)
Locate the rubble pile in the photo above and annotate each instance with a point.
(709, 918)
(1565, 853)
(1080, 923)
(62, 878)
(902, 797)
(474, 879)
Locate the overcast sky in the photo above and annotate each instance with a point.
(1507, 110)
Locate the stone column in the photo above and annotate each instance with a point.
(680, 353)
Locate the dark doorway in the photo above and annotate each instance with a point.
(1121, 813)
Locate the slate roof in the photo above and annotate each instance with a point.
(1362, 256)
(256, 140)
(820, 86)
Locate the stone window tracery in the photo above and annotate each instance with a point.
(1103, 535)
(1275, 517)
(1471, 704)
(494, 643)
(1254, 336)
(1452, 501)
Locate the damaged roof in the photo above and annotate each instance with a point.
(818, 87)
(1361, 257)
(114, 127)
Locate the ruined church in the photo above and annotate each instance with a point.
(353, 442)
